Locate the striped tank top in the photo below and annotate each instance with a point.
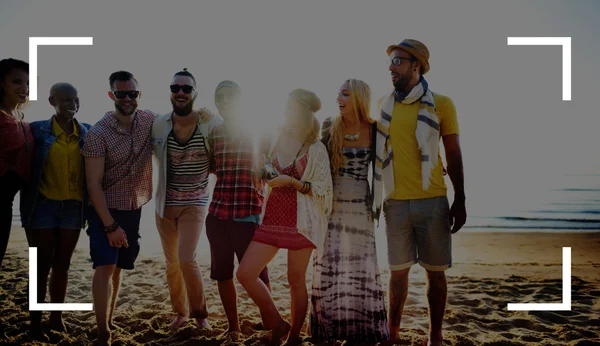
(187, 171)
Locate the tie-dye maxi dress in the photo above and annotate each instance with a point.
(348, 301)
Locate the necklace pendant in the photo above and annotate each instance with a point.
(351, 137)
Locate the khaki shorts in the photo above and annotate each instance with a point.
(418, 231)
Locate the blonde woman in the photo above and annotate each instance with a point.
(348, 301)
(294, 215)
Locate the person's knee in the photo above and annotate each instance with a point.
(296, 279)
(173, 266)
(105, 272)
(188, 265)
(436, 278)
(243, 277)
(400, 274)
(61, 264)
(61, 269)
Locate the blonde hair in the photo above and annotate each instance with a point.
(360, 94)
(312, 104)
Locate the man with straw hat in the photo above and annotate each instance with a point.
(409, 182)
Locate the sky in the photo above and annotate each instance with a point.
(515, 129)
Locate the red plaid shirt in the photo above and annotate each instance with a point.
(127, 180)
(237, 193)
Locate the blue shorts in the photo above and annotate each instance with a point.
(49, 213)
(101, 251)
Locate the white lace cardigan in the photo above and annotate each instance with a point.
(313, 210)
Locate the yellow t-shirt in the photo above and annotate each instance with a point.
(62, 175)
(406, 153)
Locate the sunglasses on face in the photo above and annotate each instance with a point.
(133, 94)
(398, 60)
(187, 89)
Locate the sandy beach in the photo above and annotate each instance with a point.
(489, 271)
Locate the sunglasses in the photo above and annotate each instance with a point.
(133, 94)
(398, 60)
(187, 89)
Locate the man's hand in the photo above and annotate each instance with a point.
(458, 215)
(458, 211)
(118, 238)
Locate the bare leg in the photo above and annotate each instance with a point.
(257, 256)
(436, 296)
(116, 285)
(398, 293)
(229, 300)
(297, 265)
(101, 293)
(66, 240)
(43, 240)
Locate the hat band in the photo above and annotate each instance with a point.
(406, 45)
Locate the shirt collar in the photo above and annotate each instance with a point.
(59, 131)
(115, 123)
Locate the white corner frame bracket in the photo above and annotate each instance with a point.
(566, 291)
(34, 42)
(565, 42)
(33, 303)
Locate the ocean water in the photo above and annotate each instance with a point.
(558, 203)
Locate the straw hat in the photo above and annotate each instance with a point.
(416, 49)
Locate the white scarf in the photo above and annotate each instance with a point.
(427, 134)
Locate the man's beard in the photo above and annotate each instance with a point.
(183, 111)
(403, 81)
(121, 109)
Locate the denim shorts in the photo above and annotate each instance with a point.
(56, 214)
(101, 251)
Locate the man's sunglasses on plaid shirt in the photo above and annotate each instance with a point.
(133, 94)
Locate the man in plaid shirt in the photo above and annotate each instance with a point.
(118, 166)
(237, 199)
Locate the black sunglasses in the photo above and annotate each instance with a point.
(133, 94)
(186, 88)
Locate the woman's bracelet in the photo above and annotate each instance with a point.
(305, 187)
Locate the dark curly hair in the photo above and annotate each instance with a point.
(6, 66)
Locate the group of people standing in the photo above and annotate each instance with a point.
(313, 189)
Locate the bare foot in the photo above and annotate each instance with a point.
(202, 324)
(434, 342)
(37, 331)
(282, 329)
(232, 335)
(293, 341)
(113, 327)
(39, 335)
(178, 322)
(57, 325)
(104, 339)
(389, 342)
(435, 339)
